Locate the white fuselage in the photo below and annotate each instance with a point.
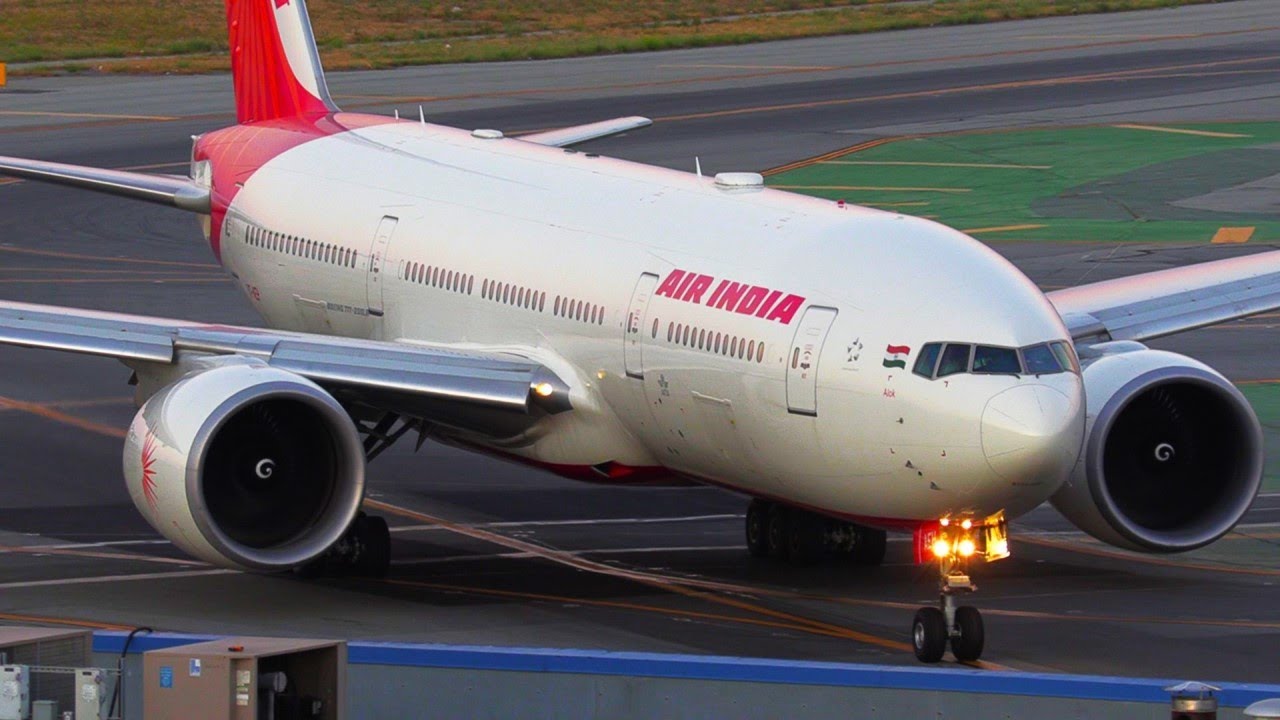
(600, 269)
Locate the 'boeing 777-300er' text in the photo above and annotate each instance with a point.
(622, 323)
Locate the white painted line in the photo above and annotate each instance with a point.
(597, 551)
(115, 578)
(106, 543)
(565, 523)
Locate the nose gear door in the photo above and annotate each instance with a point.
(802, 363)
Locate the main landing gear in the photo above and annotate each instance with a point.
(364, 551)
(801, 537)
(952, 545)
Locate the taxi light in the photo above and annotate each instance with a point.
(941, 548)
(967, 547)
(966, 524)
(544, 389)
(944, 522)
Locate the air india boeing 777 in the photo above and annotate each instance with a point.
(853, 370)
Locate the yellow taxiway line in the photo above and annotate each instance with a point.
(1180, 131)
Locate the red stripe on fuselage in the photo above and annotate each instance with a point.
(237, 152)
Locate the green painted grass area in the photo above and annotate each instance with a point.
(1088, 183)
(1266, 402)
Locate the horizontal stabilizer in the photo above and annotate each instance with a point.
(565, 137)
(172, 190)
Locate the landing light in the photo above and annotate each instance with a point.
(941, 548)
(967, 547)
(966, 524)
(544, 389)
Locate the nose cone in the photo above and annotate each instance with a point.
(1031, 434)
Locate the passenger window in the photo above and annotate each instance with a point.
(989, 360)
(955, 359)
(685, 340)
(751, 349)
(760, 352)
(1066, 355)
(928, 360)
(1040, 360)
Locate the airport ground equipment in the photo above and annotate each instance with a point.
(51, 654)
(246, 679)
(1193, 701)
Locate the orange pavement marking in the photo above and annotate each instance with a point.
(871, 188)
(1179, 131)
(1002, 228)
(42, 619)
(1232, 235)
(676, 585)
(49, 413)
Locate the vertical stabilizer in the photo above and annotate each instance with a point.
(274, 61)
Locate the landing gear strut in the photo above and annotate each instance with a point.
(800, 537)
(952, 546)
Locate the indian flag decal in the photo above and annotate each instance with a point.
(895, 356)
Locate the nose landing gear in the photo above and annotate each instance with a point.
(952, 544)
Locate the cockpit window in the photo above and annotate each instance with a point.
(928, 360)
(955, 359)
(1041, 360)
(1066, 355)
(990, 360)
(938, 360)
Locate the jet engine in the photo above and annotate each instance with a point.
(1173, 452)
(246, 466)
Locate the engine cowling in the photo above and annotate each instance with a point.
(1173, 452)
(246, 466)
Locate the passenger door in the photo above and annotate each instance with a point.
(802, 364)
(377, 255)
(633, 332)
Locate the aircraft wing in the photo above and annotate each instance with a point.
(1165, 302)
(565, 137)
(172, 190)
(431, 382)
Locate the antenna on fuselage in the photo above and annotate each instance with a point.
(397, 113)
(697, 165)
(422, 116)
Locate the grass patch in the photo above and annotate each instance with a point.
(145, 36)
(1110, 184)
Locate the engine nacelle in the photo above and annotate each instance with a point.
(1173, 452)
(246, 466)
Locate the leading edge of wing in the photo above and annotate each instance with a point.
(1165, 302)
(501, 381)
(171, 190)
(565, 137)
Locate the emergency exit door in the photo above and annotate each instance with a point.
(802, 364)
(377, 256)
(633, 332)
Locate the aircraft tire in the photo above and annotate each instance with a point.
(929, 634)
(967, 646)
(375, 551)
(778, 530)
(869, 548)
(805, 537)
(758, 528)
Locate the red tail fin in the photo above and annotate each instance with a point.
(274, 62)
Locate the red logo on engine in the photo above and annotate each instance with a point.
(148, 471)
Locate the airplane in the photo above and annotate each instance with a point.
(854, 371)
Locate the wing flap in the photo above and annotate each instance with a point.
(171, 190)
(1165, 302)
(477, 379)
(565, 137)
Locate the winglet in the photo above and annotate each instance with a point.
(274, 62)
